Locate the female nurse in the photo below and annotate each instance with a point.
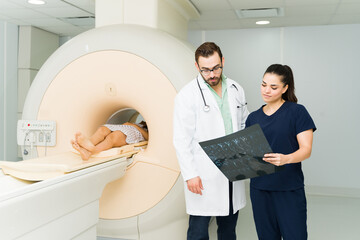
(278, 200)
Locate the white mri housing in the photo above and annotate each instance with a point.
(99, 74)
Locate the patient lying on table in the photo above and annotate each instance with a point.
(109, 136)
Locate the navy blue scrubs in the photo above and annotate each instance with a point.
(278, 200)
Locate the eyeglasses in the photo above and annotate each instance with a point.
(216, 70)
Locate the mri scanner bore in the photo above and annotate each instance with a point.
(109, 136)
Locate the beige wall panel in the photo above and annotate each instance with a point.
(35, 46)
(24, 47)
(43, 44)
(25, 78)
(171, 20)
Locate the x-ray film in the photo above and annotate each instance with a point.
(239, 155)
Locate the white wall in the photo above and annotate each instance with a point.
(33, 46)
(325, 64)
(8, 90)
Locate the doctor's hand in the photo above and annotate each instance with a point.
(195, 185)
(276, 159)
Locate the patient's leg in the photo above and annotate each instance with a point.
(84, 142)
(85, 154)
(97, 137)
(114, 139)
(100, 135)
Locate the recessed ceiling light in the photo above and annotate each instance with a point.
(262, 22)
(36, 2)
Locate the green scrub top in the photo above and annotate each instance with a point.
(223, 104)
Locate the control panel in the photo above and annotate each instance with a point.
(36, 133)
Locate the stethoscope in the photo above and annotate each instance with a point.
(206, 107)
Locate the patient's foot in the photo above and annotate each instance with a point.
(85, 154)
(84, 142)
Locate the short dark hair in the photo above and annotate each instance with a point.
(287, 78)
(207, 49)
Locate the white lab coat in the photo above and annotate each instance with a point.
(193, 125)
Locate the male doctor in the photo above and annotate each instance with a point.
(208, 107)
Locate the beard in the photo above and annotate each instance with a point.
(213, 81)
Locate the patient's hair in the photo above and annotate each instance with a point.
(207, 49)
(143, 125)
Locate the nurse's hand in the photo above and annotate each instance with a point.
(276, 159)
(195, 185)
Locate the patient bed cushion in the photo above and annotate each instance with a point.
(42, 168)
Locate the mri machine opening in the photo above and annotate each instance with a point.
(116, 74)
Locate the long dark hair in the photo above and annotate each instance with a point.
(287, 78)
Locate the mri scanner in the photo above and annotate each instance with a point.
(108, 74)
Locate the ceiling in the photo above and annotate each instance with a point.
(63, 17)
(220, 14)
(71, 17)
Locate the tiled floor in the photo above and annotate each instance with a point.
(334, 218)
(329, 218)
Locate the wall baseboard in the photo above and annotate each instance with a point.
(312, 190)
(332, 191)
